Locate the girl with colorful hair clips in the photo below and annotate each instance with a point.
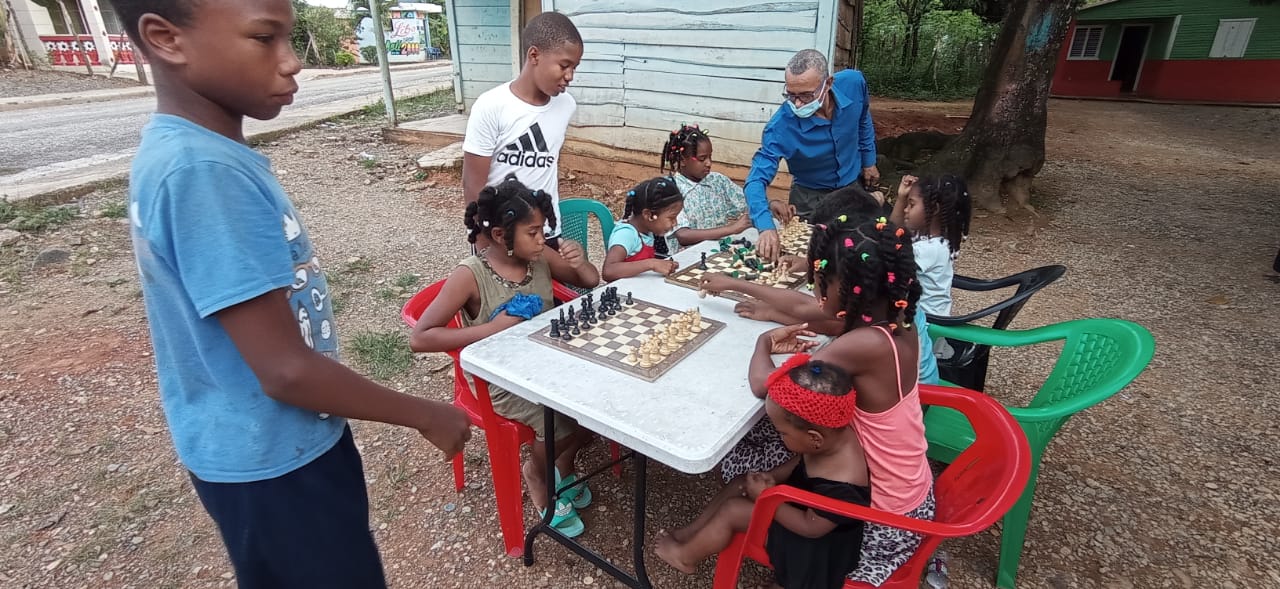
(507, 282)
(714, 207)
(811, 405)
(863, 274)
(638, 242)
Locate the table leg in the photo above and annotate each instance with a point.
(641, 578)
(638, 524)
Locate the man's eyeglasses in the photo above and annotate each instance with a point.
(806, 97)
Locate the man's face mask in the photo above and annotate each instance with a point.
(809, 108)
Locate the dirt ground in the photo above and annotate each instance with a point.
(33, 82)
(1164, 215)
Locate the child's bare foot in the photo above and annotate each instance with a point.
(668, 549)
(681, 535)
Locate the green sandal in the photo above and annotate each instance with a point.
(579, 495)
(566, 519)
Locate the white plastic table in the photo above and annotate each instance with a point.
(688, 419)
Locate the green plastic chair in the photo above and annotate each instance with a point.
(575, 217)
(1099, 358)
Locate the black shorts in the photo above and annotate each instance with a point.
(305, 529)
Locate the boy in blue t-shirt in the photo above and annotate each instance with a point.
(239, 309)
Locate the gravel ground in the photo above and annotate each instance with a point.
(33, 82)
(1171, 483)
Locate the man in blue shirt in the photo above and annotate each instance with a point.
(825, 133)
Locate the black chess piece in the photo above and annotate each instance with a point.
(555, 329)
(576, 331)
(591, 300)
(571, 312)
(561, 315)
(703, 264)
(630, 301)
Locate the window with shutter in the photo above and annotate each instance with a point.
(1086, 42)
(1233, 38)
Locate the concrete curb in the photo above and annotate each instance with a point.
(76, 178)
(46, 100)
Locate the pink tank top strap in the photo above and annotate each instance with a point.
(897, 364)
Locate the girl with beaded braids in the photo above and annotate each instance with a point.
(936, 211)
(507, 282)
(864, 276)
(638, 243)
(714, 207)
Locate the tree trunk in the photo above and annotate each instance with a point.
(1002, 147)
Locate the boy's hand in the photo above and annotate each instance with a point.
(786, 339)
(449, 429)
(572, 253)
(756, 310)
(757, 483)
(879, 196)
(740, 223)
(663, 267)
(716, 283)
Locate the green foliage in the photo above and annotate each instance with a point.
(344, 59)
(383, 355)
(369, 54)
(954, 46)
(35, 218)
(422, 106)
(117, 209)
(318, 34)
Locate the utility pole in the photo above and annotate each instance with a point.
(93, 16)
(75, 35)
(388, 98)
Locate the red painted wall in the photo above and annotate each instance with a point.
(1086, 77)
(1226, 80)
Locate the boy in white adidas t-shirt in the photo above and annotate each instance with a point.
(520, 126)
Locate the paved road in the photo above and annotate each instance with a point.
(44, 136)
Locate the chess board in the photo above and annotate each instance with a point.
(794, 237)
(608, 342)
(722, 263)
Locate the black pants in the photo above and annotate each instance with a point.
(306, 529)
(806, 200)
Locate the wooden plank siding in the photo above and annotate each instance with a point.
(1196, 29)
(650, 65)
(481, 30)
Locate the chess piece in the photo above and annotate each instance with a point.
(647, 357)
(695, 325)
(632, 357)
(630, 301)
(572, 315)
(562, 316)
(665, 345)
(703, 264)
(555, 329)
(575, 329)
(564, 334)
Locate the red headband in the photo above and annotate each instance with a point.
(825, 410)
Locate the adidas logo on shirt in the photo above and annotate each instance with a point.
(530, 151)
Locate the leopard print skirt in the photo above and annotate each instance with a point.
(884, 549)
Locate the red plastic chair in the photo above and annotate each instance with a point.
(972, 493)
(505, 437)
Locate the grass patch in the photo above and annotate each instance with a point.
(112, 185)
(384, 354)
(368, 163)
(338, 301)
(116, 209)
(24, 217)
(415, 107)
(407, 281)
(386, 294)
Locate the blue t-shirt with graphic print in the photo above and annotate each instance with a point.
(212, 228)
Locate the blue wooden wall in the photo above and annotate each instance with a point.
(650, 65)
(483, 38)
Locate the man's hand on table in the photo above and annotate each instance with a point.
(768, 245)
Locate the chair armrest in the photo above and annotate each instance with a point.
(976, 315)
(769, 501)
(1005, 338)
(980, 285)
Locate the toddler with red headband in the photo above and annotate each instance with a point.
(812, 405)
